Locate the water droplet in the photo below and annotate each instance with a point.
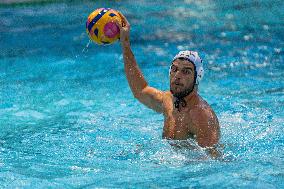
(87, 46)
(265, 27)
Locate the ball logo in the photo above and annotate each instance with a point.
(111, 30)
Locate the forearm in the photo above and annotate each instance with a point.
(134, 75)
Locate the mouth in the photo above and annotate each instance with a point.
(176, 83)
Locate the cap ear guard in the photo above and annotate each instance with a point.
(200, 74)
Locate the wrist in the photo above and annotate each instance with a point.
(125, 44)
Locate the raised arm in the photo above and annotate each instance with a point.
(147, 95)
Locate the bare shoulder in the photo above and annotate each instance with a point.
(168, 95)
(167, 100)
(205, 124)
(203, 115)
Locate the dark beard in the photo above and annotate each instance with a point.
(179, 101)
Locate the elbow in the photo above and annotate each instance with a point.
(137, 95)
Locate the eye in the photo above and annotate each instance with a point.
(186, 71)
(173, 68)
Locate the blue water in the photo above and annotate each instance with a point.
(68, 118)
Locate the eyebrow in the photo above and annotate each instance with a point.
(183, 67)
(188, 68)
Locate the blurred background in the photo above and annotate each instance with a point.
(68, 118)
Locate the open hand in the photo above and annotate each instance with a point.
(124, 28)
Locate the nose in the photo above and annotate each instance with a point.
(175, 78)
(178, 74)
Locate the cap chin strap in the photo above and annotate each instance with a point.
(179, 101)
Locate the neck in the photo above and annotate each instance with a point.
(183, 99)
(190, 96)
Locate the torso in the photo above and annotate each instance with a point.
(179, 125)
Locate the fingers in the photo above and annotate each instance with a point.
(119, 24)
(124, 20)
(124, 28)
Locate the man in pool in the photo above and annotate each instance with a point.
(186, 114)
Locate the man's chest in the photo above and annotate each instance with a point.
(180, 123)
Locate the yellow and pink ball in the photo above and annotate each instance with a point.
(101, 26)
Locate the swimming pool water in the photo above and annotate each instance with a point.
(68, 118)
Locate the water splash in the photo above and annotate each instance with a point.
(87, 46)
(85, 49)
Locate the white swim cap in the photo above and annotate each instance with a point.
(194, 58)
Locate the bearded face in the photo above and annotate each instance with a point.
(181, 76)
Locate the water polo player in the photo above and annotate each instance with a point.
(186, 114)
